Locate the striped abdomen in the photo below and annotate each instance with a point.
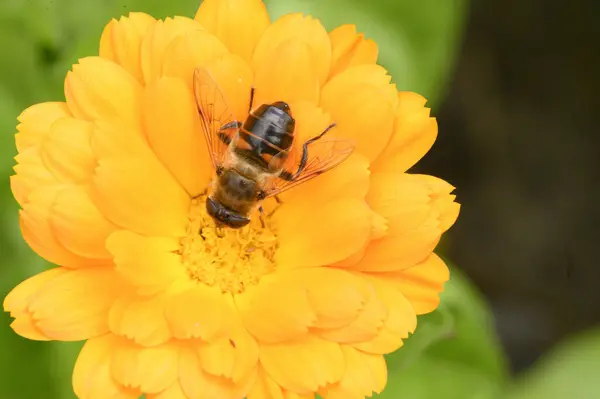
(266, 136)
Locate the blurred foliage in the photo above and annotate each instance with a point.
(454, 353)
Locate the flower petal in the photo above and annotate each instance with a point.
(362, 102)
(158, 39)
(265, 387)
(100, 89)
(198, 384)
(172, 125)
(234, 358)
(31, 173)
(364, 374)
(151, 370)
(40, 233)
(274, 310)
(303, 245)
(414, 134)
(349, 48)
(235, 78)
(121, 190)
(35, 123)
(66, 150)
(189, 51)
(78, 225)
(92, 377)
(423, 283)
(365, 326)
(173, 392)
(200, 312)
(297, 26)
(237, 23)
(121, 41)
(401, 318)
(287, 74)
(418, 208)
(65, 305)
(17, 301)
(150, 263)
(304, 365)
(141, 319)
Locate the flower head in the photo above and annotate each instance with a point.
(112, 185)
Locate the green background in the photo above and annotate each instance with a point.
(455, 353)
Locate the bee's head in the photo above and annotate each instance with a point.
(225, 216)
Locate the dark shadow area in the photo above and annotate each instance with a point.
(519, 138)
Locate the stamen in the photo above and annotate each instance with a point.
(229, 259)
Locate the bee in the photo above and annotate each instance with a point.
(256, 159)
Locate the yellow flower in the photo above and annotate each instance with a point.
(111, 184)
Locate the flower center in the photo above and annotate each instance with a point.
(226, 258)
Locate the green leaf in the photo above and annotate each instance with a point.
(453, 354)
(417, 39)
(569, 371)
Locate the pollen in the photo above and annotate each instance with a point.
(226, 258)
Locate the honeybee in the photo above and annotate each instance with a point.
(256, 159)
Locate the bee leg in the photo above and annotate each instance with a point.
(291, 177)
(279, 201)
(251, 99)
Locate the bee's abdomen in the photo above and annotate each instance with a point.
(262, 138)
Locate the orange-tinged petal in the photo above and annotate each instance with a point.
(158, 39)
(304, 365)
(92, 377)
(151, 370)
(172, 126)
(40, 233)
(200, 312)
(98, 88)
(35, 123)
(25, 326)
(140, 319)
(70, 307)
(348, 222)
(349, 48)
(287, 74)
(234, 357)
(419, 209)
(296, 27)
(149, 263)
(423, 283)
(173, 392)
(264, 387)
(365, 326)
(189, 51)
(121, 190)
(362, 103)
(235, 78)
(66, 150)
(121, 41)
(31, 173)
(414, 134)
(17, 301)
(78, 225)
(198, 384)
(401, 319)
(365, 373)
(237, 23)
(337, 296)
(273, 311)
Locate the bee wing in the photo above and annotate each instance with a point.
(323, 155)
(216, 118)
